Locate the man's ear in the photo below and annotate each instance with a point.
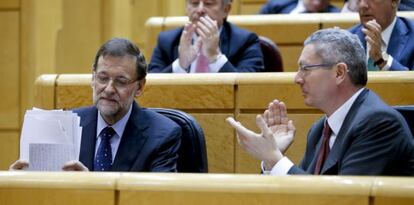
(140, 88)
(341, 72)
(227, 8)
(394, 4)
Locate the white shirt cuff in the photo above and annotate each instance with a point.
(176, 68)
(388, 65)
(216, 66)
(281, 168)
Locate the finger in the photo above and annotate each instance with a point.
(260, 122)
(269, 121)
(291, 128)
(240, 129)
(283, 113)
(203, 31)
(19, 165)
(209, 23)
(275, 111)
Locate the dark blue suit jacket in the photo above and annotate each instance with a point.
(286, 6)
(373, 140)
(149, 143)
(241, 48)
(401, 45)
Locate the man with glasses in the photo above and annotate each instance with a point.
(207, 44)
(359, 134)
(117, 134)
(386, 37)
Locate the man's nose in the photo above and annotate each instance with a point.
(298, 78)
(200, 7)
(110, 87)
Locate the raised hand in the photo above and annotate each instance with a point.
(372, 31)
(282, 128)
(187, 51)
(208, 31)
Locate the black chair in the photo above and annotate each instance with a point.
(408, 113)
(192, 154)
(271, 55)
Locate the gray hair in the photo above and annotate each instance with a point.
(336, 45)
(119, 47)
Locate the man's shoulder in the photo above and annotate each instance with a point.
(87, 110)
(354, 29)
(157, 121)
(407, 23)
(237, 32)
(279, 6)
(171, 34)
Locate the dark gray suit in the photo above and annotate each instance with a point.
(374, 140)
(149, 143)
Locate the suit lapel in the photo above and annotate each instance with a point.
(338, 146)
(88, 139)
(361, 37)
(132, 140)
(398, 40)
(225, 39)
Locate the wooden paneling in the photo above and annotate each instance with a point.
(9, 69)
(9, 148)
(79, 36)
(220, 142)
(9, 4)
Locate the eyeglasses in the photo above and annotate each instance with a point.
(308, 68)
(119, 82)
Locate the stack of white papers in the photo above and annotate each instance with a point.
(50, 138)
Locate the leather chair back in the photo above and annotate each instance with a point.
(271, 55)
(192, 154)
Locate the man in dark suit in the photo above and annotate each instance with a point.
(208, 43)
(298, 6)
(141, 140)
(359, 134)
(386, 37)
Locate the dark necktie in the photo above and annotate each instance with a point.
(103, 158)
(324, 150)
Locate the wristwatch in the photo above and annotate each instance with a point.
(382, 61)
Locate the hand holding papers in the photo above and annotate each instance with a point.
(49, 139)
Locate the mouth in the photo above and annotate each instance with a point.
(107, 100)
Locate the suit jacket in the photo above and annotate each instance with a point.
(241, 48)
(149, 143)
(406, 5)
(286, 6)
(401, 45)
(374, 140)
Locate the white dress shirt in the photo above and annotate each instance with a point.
(119, 128)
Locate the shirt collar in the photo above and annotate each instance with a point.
(336, 120)
(300, 8)
(119, 126)
(386, 33)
